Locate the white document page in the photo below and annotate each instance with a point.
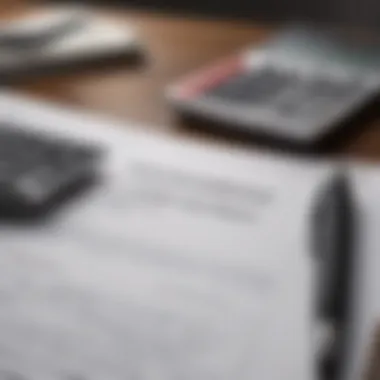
(185, 263)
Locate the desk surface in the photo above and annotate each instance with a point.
(175, 46)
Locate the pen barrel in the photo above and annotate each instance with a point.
(333, 245)
(334, 248)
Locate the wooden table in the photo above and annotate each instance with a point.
(176, 45)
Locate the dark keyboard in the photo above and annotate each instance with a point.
(285, 91)
(37, 171)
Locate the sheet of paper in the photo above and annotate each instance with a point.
(185, 263)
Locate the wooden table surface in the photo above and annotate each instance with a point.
(175, 45)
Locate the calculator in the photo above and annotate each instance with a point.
(302, 87)
(39, 172)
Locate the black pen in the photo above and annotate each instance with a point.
(334, 248)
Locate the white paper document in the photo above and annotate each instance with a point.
(184, 263)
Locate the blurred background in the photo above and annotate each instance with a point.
(342, 11)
